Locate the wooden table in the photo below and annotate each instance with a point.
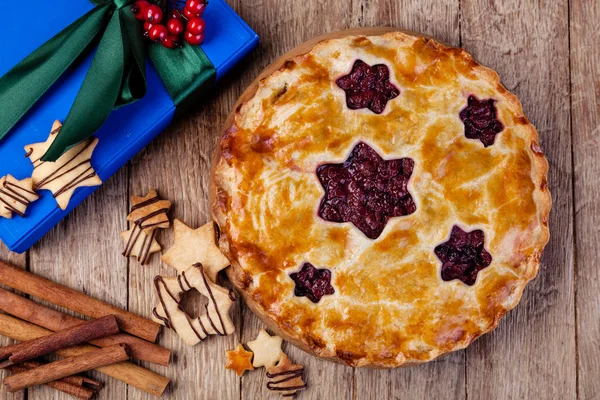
(547, 52)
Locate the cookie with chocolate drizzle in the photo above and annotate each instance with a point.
(286, 378)
(72, 170)
(170, 313)
(149, 212)
(140, 244)
(15, 196)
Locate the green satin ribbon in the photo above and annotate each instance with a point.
(116, 77)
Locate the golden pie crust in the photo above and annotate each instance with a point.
(390, 307)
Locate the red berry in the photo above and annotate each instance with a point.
(188, 14)
(196, 6)
(154, 13)
(175, 26)
(192, 38)
(171, 42)
(147, 27)
(139, 9)
(202, 8)
(196, 25)
(158, 33)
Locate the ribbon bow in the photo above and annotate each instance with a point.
(116, 76)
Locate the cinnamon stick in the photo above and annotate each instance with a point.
(127, 372)
(34, 285)
(30, 311)
(35, 348)
(77, 386)
(67, 367)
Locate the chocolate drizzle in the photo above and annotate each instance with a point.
(140, 221)
(286, 376)
(145, 203)
(135, 235)
(214, 303)
(62, 171)
(11, 190)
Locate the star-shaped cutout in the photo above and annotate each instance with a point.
(149, 212)
(366, 190)
(139, 244)
(193, 246)
(312, 282)
(239, 360)
(15, 196)
(368, 87)
(463, 255)
(70, 171)
(480, 118)
(286, 378)
(267, 349)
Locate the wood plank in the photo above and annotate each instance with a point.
(177, 164)
(531, 355)
(21, 261)
(444, 378)
(585, 89)
(83, 252)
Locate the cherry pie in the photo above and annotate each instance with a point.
(382, 199)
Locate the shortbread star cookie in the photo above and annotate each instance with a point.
(149, 212)
(267, 350)
(193, 246)
(239, 360)
(139, 244)
(70, 171)
(286, 378)
(170, 313)
(15, 196)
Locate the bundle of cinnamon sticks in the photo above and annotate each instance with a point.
(43, 331)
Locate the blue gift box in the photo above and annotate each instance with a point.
(227, 40)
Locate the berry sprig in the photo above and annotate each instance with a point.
(169, 25)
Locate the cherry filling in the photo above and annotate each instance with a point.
(366, 190)
(312, 282)
(481, 120)
(368, 87)
(463, 255)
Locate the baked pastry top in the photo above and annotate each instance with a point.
(382, 200)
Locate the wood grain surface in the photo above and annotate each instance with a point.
(529, 48)
(547, 52)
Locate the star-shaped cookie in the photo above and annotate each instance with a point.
(170, 313)
(15, 196)
(267, 349)
(70, 171)
(139, 244)
(239, 360)
(286, 377)
(149, 212)
(195, 246)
